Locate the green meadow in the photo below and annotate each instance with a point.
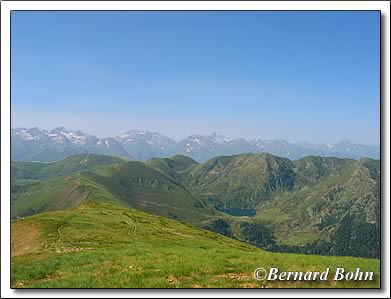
(100, 245)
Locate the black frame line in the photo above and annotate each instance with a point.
(381, 97)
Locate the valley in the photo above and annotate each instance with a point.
(314, 205)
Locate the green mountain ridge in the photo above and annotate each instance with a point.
(305, 205)
(40, 170)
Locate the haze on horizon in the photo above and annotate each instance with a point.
(298, 76)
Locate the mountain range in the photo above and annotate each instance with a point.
(322, 205)
(50, 145)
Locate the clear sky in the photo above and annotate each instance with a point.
(299, 76)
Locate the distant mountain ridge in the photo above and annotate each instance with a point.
(51, 145)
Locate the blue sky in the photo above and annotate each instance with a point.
(299, 76)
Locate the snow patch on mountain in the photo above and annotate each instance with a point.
(26, 135)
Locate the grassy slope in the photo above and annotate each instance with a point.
(150, 190)
(56, 194)
(40, 187)
(353, 191)
(240, 181)
(106, 246)
(132, 184)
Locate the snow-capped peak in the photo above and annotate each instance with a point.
(26, 134)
